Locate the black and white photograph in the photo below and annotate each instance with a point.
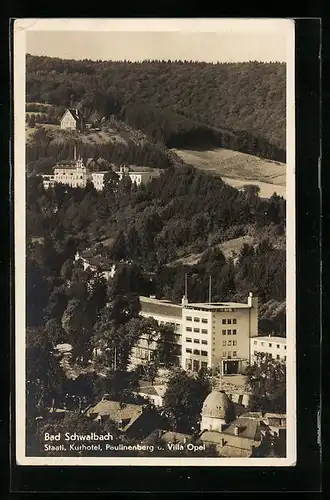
(154, 174)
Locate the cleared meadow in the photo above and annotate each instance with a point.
(239, 169)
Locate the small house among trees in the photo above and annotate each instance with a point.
(73, 120)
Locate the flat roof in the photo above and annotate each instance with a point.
(270, 338)
(216, 305)
(161, 307)
(194, 305)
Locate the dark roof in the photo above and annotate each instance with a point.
(98, 261)
(116, 412)
(101, 262)
(151, 390)
(160, 308)
(87, 254)
(249, 433)
(167, 436)
(176, 437)
(66, 164)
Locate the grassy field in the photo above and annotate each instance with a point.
(238, 169)
(230, 249)
(93, 136)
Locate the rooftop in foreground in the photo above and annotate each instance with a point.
(271, 338)
(216, 305)
(152, 302)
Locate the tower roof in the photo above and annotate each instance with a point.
(218, 405)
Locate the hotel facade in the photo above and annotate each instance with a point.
(207, 335)
(275, 346)
(77, 174)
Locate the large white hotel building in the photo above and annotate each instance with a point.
(77, 174)
(208, 335)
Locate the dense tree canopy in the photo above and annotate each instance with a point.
(239, 105)
(266, 378)
(184, 398)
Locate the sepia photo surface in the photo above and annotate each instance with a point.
(154, 175)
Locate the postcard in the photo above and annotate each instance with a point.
(154, 198)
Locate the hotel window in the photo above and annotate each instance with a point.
(228, 332)
(285, 347)
(203, 365)
(277, 356)
(204, 320)
(234, 321)
(196, 330)
(234, 354)
(188, 329)
(188, 318)
(196, 341)
(203, 330)
(188, 339)
(284, 358)
(188, 350)
(278, 346)
(234, 332)
(262, 343)
(270, 345)
(204, 342)
(223, 332)
(229, 321)
(196, 351)
(234, 342)
(229, 342)
(229, 354)
(224, 342)
(197, 320)
(224, 354)
(204, 353)
(223, 321)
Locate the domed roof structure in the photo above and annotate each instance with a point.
(218, 405)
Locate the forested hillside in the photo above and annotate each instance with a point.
(239, 106)
(182, 211)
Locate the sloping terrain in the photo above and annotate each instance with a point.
(238, 169)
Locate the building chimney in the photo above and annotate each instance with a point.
(250, 299)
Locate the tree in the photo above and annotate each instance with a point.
(166, 345)
(110, 182)
(78, 327)
(44, 376)
(116, 332)
(36, 292)
(184, 398)
(118, 250)
(266, 379)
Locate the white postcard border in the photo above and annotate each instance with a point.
(21, 26)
